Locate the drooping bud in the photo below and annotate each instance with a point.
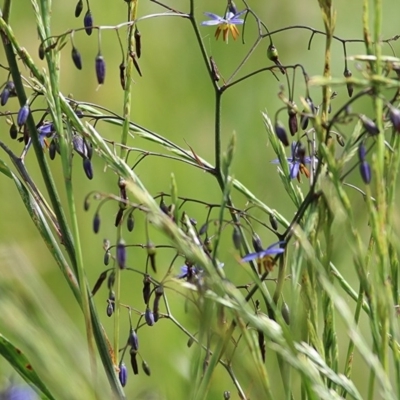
(272, 54)
(106, 258)
(146, 289)
(121, 254)
(369, 125)
(293, 125)
(111, 304)
(362, 151)
(78, 8)
(130, 222)
(151, 252)
(236, 238)
(23, 115)
(96, 223)
(394, 116)
(138, 42)
(156, 305)
(133, 340)
(122, 75)
(4, 96)
(53, 149)
(365, 171)
(76, 58)
(87, 167)
(285, 312)
(13, 131)
(118, 217)
(273, 222)
(123, 374)
(88, 22)
(304, 120)
(149, 317)
(146, 368)
(111, 280)
(99, 282)
(41, 51)
(134, 361)
(350, 88)
(100, 69)
(203, 229)
(257, 244)
(280, 132)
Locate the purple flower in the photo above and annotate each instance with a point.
(225, 25)
(45, 131)
(269, 251)
(297, 161)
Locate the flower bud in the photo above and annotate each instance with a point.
(146, 368)
(149, 317)
(106, 258)
(138, 42)
(110, 309)
(76, 58)
(151, 252)
(365, 171)
(111, 280)
(285, 312)
(134, 365)
(236, 238)
(257, 244)
(394, 116)
(156, 305)
(78, 8)
(293, 125)
(53, 149)
(122, 75)
(130, 222)
(369, 125)
(121, 254)
(41, 51)
(88, 22)
(350, 88)
(273, 222)
(304, 121)
(13, 131)
(4, 96)
(123, 374)
(96, 223)
(280, 132)
(133, 340)
(362, 151)
(119, 216)
(100, 69)
(146, 289)
(23, 114)
(87, 167)
(99, 282)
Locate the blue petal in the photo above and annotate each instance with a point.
(251, 257)
(294, 170)
(215, 19)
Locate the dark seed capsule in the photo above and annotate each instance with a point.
(257, 244)
(87, 167)
(13, 131)
(369, 125)
(88, 22)
(53, 149)
(149, 317)
(96, 223)
(285, 313)
(23, 114)
(146, 289)
(304, 121)
(122, 75)
(365, 171)
(111, 299)
(293, 124)
(121, 254)
(135, 63)
(350, 88)
(118, 217)
(156, 305)
(123, 374)
(236, 238)
(78, 8)
(134, 361)
(100, 69)
(106, 259)
(394, 116)
(146, 368)
(203, 229)
(280, 132)
(4, 96)
(340, 140)
(138, 42)
(76, 58)
(111, 280)
(273, 222)
(362, 151)
(133, 340)
(110, 309)
(99, 282)
(41, 51)
(130, 222)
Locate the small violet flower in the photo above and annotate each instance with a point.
(225, 25)
(269, 251)
(296, 162)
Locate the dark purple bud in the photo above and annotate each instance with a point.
(110, 309)
(23, 114)
(365, 171)
(79, 145)
(96, 223)
(13, 131)
(350, 88)
(285, 313)
(257, 244)
(87, 167)
(100, 69)
(88, 22)
(123, 374)
(135, 63)
(41, 51)
(121, 254)
(232, 7)
(304, 121)
(394, 116)
(111, 280)
(79, 113)
(78, 8)
(149, 317)
(236, 238)
(134, 365)
(106, 258)
(273, 222)
(311, 105)
(280, 131)
(146, 368)
(369, 125)
(99, 282)
(133, 340)
(130, 222)
(118, 217)
(122, 75)
(362, 151)
(111, 299)
(76, 58)
(138, 42)
(4, 96)
(203, 229)
(156, 305)
(53, 149)
(146, 289)
(293, 124)
(88, 149)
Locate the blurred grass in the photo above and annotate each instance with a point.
(175, 99)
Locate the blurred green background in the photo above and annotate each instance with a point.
(175, 99)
